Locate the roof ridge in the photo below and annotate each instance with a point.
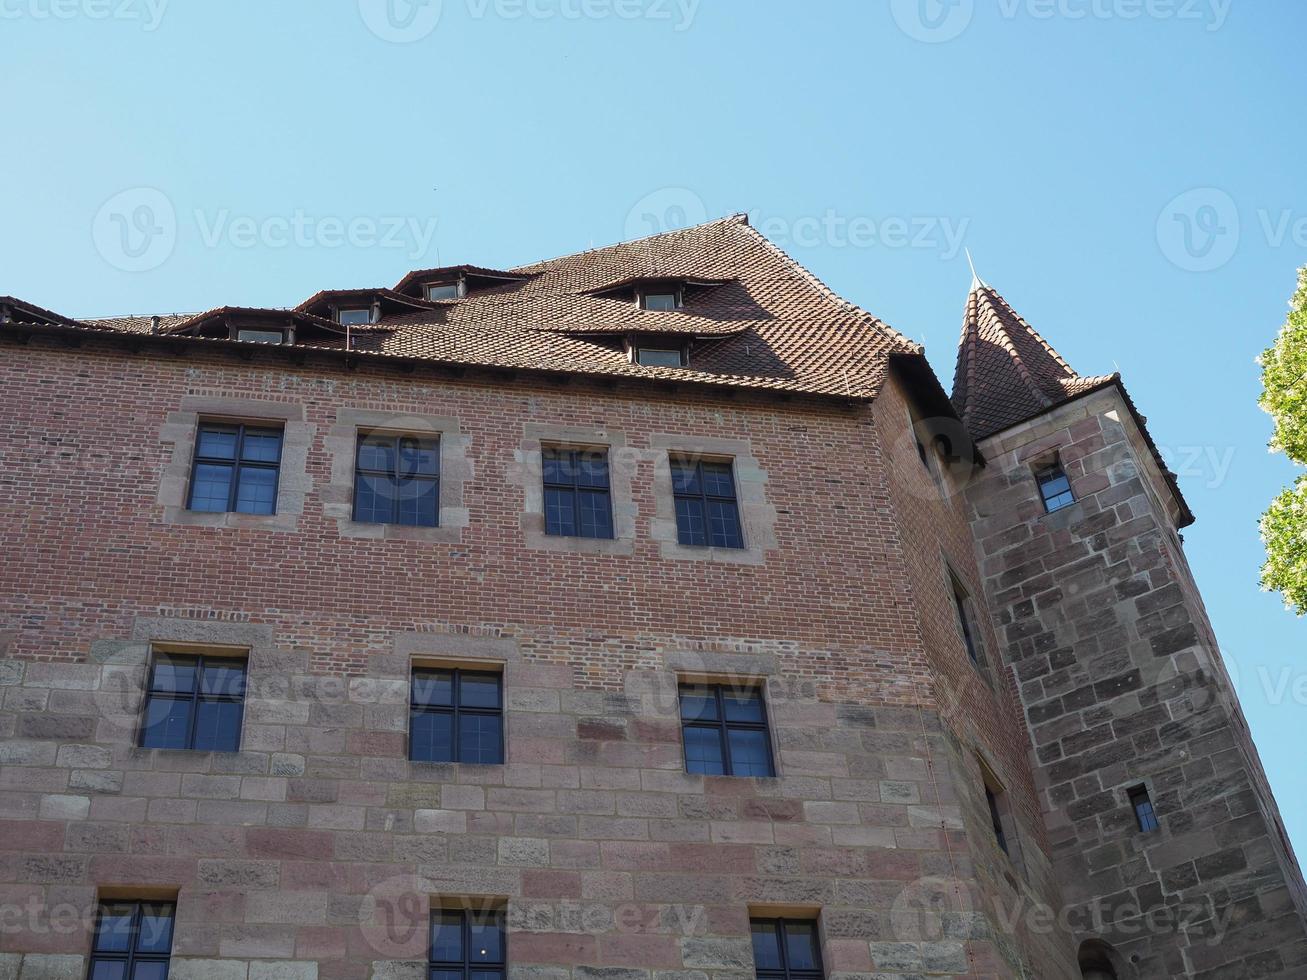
(739, 217)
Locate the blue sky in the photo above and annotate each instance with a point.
(1127, 172)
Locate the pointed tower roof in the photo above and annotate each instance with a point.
(1006, 371)
(1007, 374)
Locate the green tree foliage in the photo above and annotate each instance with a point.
(1284, 525)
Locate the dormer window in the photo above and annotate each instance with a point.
(261, 336)
(662, 299)
(357, 316)
(659, 357)
(444, 290)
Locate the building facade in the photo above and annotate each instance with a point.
(645, 614)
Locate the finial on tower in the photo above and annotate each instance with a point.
(975, 279)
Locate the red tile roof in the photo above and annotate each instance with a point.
(755, 317)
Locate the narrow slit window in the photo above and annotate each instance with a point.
(397, 481)
(133, 941)
(1145, 815)
(786, 949)
(194, 703)
(236, 469)
(996, 818)
(707, 512)
(467, 944)
(725, 731)
(1054, 488)
(456, 716)
(962, 606)
(578, 496)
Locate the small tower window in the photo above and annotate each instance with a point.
(1054, 487)
(1145, 815)
(660, 299)
(358, 316)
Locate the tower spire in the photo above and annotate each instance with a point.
(976, 281)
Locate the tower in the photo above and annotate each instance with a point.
(1165, 838)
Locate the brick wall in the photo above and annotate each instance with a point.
(315, 851)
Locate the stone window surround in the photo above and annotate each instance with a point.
(126, 665)
(181, 430)
(528, 473)
(341, 443)
(990, 781)
(954, 581)
(757, 516)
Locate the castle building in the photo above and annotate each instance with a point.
(650, 613)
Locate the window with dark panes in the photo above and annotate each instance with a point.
(194, 703)
(578, 498)
(261, 336)
(467, 944)
(786, 949)
(456, 716)
(707, 513)
(443, 290)
(725, 730)
(962, 605)
(659, 357)
(397, 480)
(1142, 804)
(236, 469)
(133, 941)
(662, 300)
(1055, 488)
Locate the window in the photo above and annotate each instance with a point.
(456, 716)
(261, 336)
(194, 703)
(236, 469)
(133, 941)
(356, 317)
(725, 731)
(444, 290)
(467, 945)
(996, 817)
(786, 949)
(659, 357)
(578, 501)
(663, 299)
(1142, 804)
(962, 605)
(1055, 488)
(397, 480)
(706, 511)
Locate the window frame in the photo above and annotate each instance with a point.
(195, 698)
(704, 497)
(996, 818)
(458, 285)
(370, 311)
(131, 956)
(237, 331)
(675, 292)
(466, 966)
(723, 727)
(1049, 473)
(397, 439)
(786, 972)
(641, 350)
(236, 463)
(1139, 796)
(456, 711)
(576, 489)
